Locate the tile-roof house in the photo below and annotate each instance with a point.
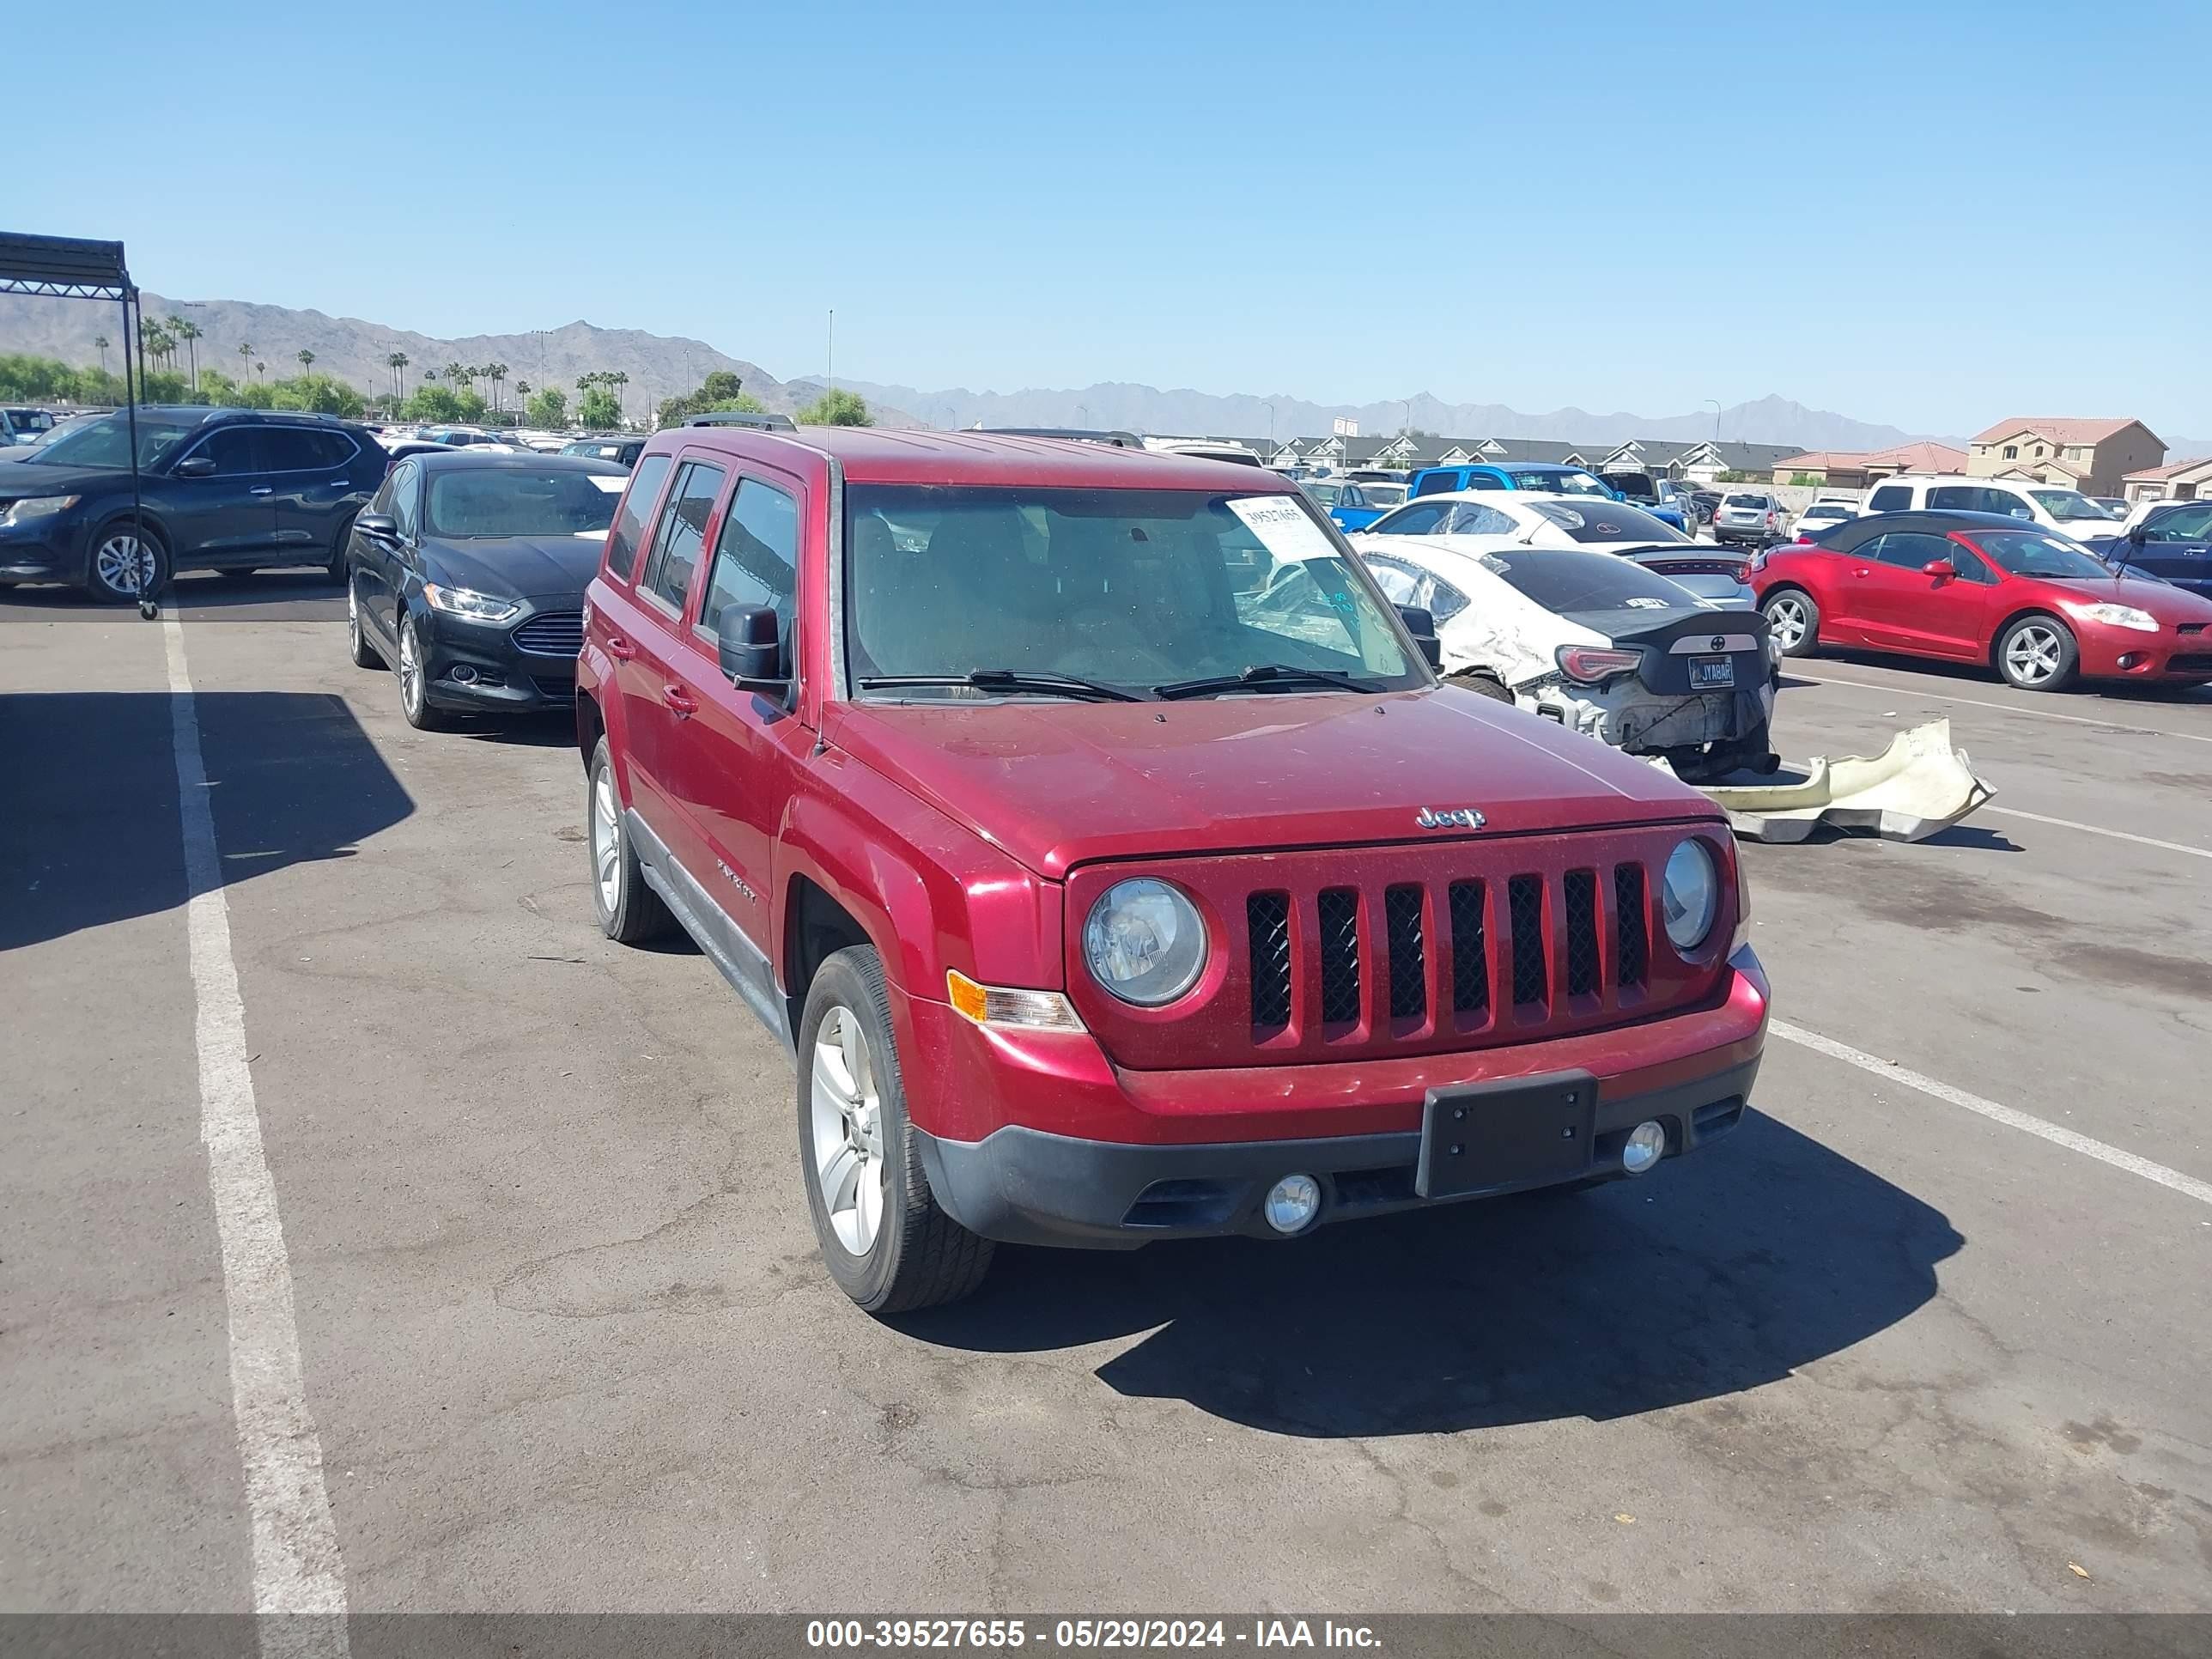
(2176, 481)
(1849, 469)
(2092, 455)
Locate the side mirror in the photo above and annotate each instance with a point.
(195, 467)
(2136, 537)
(1421, 624)
(378, 526)
(746, 643)
(1942, 570)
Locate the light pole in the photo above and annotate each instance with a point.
(1083, 415)
(1716, 403)
(1407, 424)
(1270, 423)
(833, 348)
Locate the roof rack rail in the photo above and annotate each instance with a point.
(758, 423)
(1073, 434)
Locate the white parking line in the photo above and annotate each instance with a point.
(2188, 1186)
(1796, 674)
(2095, 830)
(296, 1568)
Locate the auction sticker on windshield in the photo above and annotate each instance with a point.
(612, 486)
(1283, 527)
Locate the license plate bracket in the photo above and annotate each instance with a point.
(1711, 673)
(1497, 1137)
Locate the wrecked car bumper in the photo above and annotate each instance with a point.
(1642, 722)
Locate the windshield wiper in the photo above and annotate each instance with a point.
(1008, 680)
(1265, 673)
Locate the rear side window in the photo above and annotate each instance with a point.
(628, 533)
(1891, 498)
(683, 532)
(297, 449)
(756, 557)
(1438, 484)
(1419, 520)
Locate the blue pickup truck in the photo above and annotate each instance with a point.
(1355, 505)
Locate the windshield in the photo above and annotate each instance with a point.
(2065, 504)
(1567, 580)
(1128, 588)
(1757, 502)
(1570, 481)
(106, 441)
(1637, 486)
(1326, 494)
(2031, 553)
(1607, 521)
(1384, 495)
(488, 503)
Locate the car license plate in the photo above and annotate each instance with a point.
(1494, 1137)
(1711, 673)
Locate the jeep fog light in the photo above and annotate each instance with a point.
(997, 1004)
(1646, 1145)
(1143, 942)
(1293, 1203)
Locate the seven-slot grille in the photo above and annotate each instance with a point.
(1560, 942)
(551, 633)
(1407, 949)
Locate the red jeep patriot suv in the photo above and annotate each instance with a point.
(1105, 850)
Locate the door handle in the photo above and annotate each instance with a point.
(261, 489)
(620, 648)
(681, 701)
(1861, 571)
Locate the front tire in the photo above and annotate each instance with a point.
(415, 680)
(358, 646)
(124, 562)
(340, 571)
(630, 912)
(884, 1239)
(2038, 654)
(1793, 617)
(1482, 685)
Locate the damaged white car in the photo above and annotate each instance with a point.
(1596, 642)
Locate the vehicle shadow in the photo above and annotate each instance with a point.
(283, 594)
(1721, 1271)
(92, 836)
(1964, 674)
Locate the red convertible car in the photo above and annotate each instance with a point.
(1978, 587)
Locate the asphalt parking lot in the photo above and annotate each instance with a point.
(564, 1341)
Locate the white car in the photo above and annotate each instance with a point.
(1530, 518)
(1596, 642)
(2067, 512)
(1822, 515)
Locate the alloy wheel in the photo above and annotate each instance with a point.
(123, 564)
(606, 844)
(848, 1122)
(2033, 654)
(1786, 618)
(411, 668)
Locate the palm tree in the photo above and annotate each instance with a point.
(457, 374)
(397, 363)
(621, 381)
(184, 330)
(261, 371)
(246, 360)
(306, 361)
(152, 339)
(101, 341)
(496, 373)
(522, 393)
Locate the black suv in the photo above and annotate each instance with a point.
(228, 489)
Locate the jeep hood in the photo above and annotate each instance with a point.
(1058, 784)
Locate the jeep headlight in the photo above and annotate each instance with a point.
(1689, 894)
(1143, 942)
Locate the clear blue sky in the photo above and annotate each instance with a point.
(1906, 213)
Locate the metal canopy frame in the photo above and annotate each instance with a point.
(75, 268)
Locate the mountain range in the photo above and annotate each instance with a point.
(662, 366)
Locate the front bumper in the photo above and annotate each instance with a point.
(1088, 1155)
(2123, 654)
(471, 667)
(45, 550)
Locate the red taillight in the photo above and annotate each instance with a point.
(1590, 664)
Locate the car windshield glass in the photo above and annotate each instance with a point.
(1384, 494)
(1637, 486)
(1326, 494)
(1756, 502)
(486, 503)
(1607, 521)
(1565, 579)
(1126, 588)
(1571, 481)
(106, 441)
(2065, 504)
(2028, 553)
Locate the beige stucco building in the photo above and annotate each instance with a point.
(2093, 457)
(2178, 480)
